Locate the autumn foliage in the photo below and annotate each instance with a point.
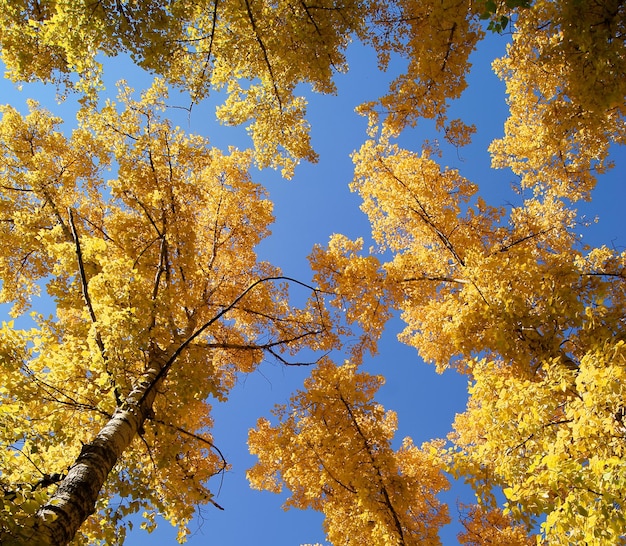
(367, 491)
(142, 237)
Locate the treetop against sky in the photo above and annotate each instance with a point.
(164, 288)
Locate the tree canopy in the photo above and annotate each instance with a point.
(143, 237)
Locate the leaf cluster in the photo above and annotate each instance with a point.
(492, 10)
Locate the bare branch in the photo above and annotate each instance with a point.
(168, 364)
(195, 436)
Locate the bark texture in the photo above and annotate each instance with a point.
(74, 501)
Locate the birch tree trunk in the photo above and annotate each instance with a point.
(74, 501)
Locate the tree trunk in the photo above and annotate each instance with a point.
(74, 501)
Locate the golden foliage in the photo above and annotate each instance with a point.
(484, 528)
(159, 260)
(535, 322)
(332, 450)
(564, 72)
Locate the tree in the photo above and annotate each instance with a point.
(366, 491)
(536, 322)
(160, 302)
(160, 298)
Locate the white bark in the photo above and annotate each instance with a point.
(75, 499)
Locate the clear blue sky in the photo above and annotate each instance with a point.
(308, 209)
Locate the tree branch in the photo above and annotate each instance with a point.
(383, 487)
(87, 298)
(265, 54)
(211, 445)
(170, 361)
(423, 214)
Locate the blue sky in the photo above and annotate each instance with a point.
(308, 209)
